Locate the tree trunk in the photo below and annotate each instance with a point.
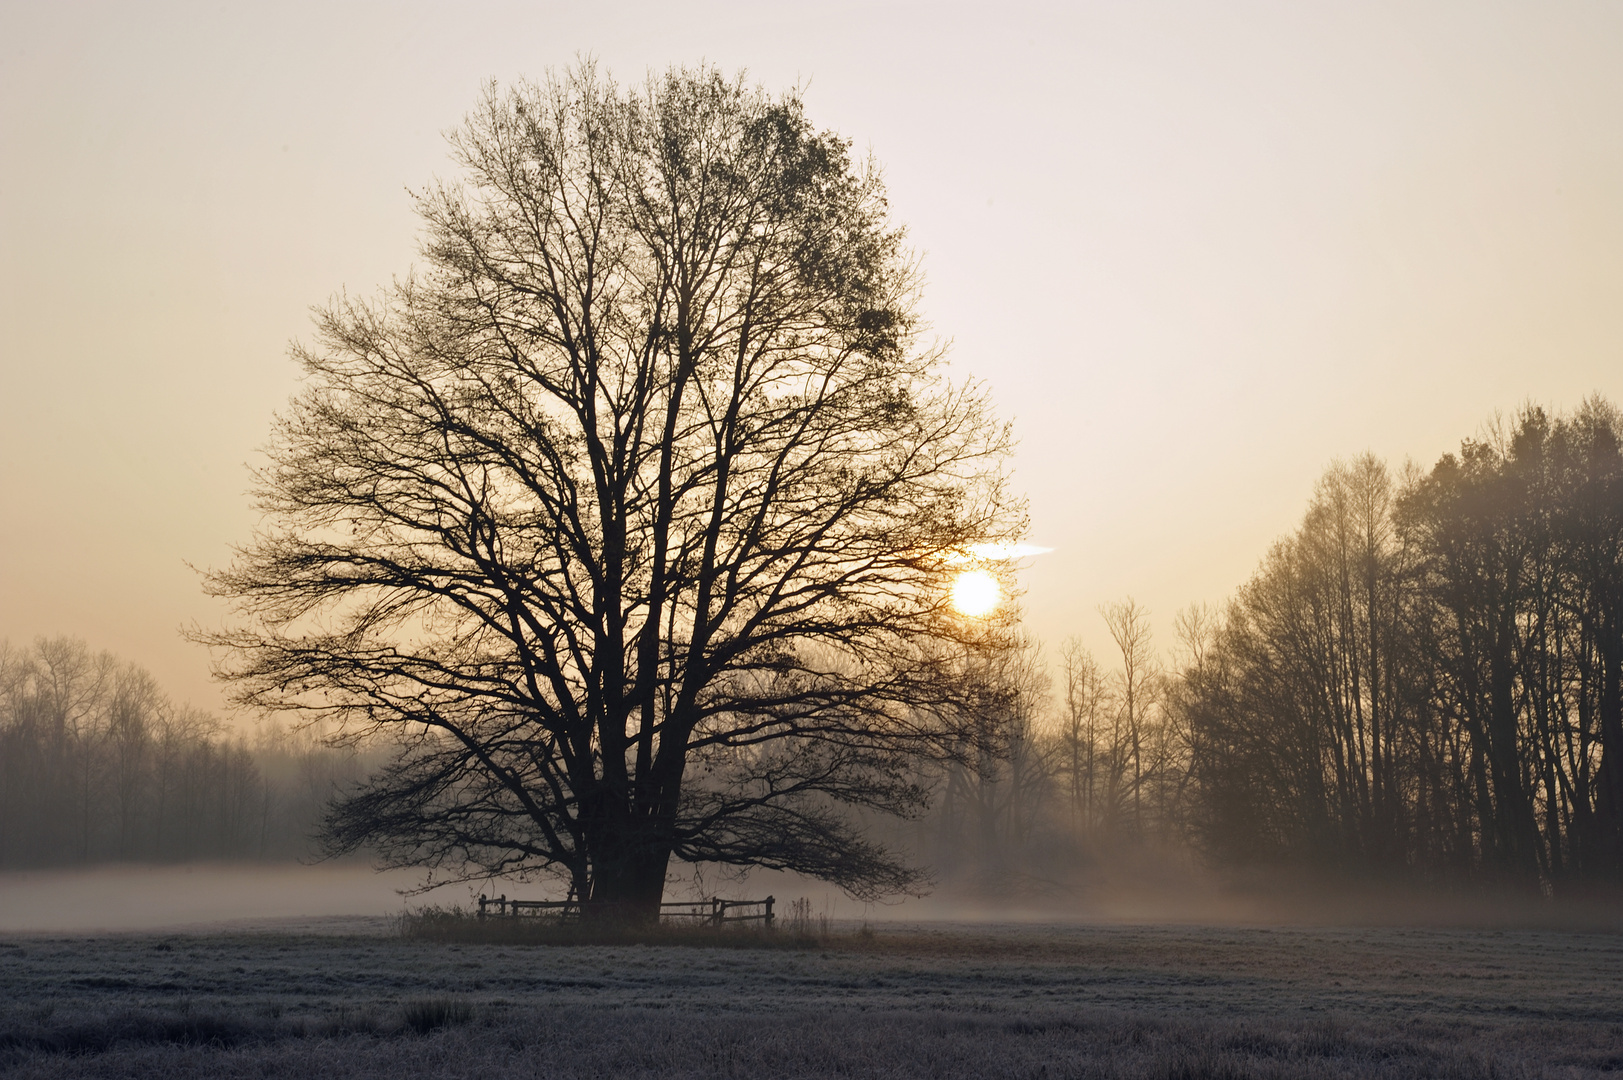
(1516, 829)
(1609, 777)
(627, 875)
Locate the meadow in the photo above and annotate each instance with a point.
(359, 998)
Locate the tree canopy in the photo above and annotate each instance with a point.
(630, 513)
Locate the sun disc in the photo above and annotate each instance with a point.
(975, 593)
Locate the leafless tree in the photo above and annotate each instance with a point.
(995, 804)
(1426, 678)
(631, 514)
(1134, 756)
(97, 763)
(1081, 728)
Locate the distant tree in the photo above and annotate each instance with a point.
(1426, 677)
(1306, 708)
(1590, 460)
(1469, 520)
(995, 784)
(1521, 536)
(629, 516)
(97, 764)
(1136, 750)
(1082, 723)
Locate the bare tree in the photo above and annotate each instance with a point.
(97, 763)
(1426, 678)
(631, 515)
(1133, 758)
(995, 782)
(1081, 727)
(1303, 710)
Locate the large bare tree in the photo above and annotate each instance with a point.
(630, 513)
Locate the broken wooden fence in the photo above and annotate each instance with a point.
(712, 912)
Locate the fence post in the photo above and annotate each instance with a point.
(501, 904)
(481, 905)
(769, 913)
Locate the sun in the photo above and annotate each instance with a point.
(975, 593)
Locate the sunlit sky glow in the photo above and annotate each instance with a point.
(975, 593)
(1195, 251)
(1007, 552)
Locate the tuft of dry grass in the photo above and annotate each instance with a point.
(428, 1014)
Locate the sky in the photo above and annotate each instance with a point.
(1196, 252)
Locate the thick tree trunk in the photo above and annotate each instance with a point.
(629, 894)
(628, 867)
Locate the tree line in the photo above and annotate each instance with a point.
(98, 764)
(1424, 681)
(1426, 675)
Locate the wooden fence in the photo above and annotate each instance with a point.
(712, 912)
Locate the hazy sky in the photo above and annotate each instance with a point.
(1196, 250)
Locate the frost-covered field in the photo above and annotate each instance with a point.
(349, 998)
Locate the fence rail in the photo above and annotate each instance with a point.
(712, 912)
